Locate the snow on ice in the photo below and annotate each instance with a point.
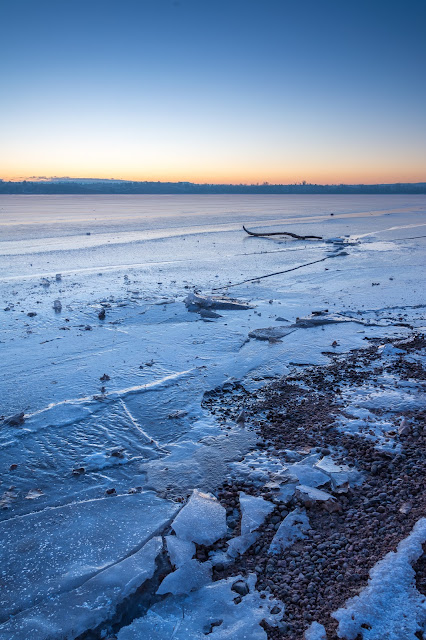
(389, 606)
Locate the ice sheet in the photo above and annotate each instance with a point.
(211, 609)
(58, 549)
(69, 614)
(134, 381)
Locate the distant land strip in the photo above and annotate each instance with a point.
(94, 186)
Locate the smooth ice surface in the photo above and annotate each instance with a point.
(57, 550)
(254, 510)
(211, 609)
(70, 614)
(189, 576)
(291, 529)
(202, 519)
(199, 459)
(389, 606)
(180, 551)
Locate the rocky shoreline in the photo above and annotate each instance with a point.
(299, 414)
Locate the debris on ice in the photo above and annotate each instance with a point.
(270, 333)
(389, 606)
(202, 519)
(15, 420)
(195, 302)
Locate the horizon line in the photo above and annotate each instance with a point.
(302, 183)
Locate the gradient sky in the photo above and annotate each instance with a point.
(214, 91)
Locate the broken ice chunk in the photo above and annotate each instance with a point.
(270, 333)
(316, 631)
(76, 611)
(309, 495)
(210, 610)
(339, 473)
(240, 544)
(308, 475)
(202, 519)
(291, 529)
(194, 302)
(180, 551)
(254, 511)
(190, 576)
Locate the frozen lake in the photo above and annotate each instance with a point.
(120, 397)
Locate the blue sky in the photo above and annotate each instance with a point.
(235, 91)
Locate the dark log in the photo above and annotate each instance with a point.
(282, 233)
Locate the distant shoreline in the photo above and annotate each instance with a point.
(104, 187)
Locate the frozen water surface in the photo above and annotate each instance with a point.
(114, 430)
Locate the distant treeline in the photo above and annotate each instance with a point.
(118, 187)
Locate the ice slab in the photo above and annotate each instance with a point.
(180, 551)
(291, 529)
(240, 544)
(211, 609)
(199, 462)
(254, 511)
(57, 549)
(189, 576)
(67, 615)
(315, 631)
(389, 606)
(309, 495)
(195, 301)
(270, 333)
(202, 519)
(339, 473)
(308, 475)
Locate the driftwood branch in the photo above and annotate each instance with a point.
(269, 275)
(282, 233)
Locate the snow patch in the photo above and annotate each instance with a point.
(389, 606)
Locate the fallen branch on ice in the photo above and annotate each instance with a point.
(282, 233)
(268, 275)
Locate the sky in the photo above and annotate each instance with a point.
(327, 91)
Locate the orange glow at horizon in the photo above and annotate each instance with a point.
(340, 176)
